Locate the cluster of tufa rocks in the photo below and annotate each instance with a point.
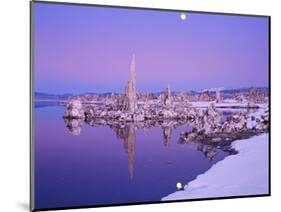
(256, 96)
(253, 97)
(142, 112)
(147, 110)
(127, 108)
(208, 126)
(206, 96)
(74, 109)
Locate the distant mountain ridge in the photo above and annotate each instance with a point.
(41, 95)
(225, 93)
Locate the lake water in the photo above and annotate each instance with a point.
(97, 167)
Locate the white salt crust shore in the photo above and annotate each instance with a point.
(237, 175)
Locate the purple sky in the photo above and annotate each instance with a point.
(89, 49)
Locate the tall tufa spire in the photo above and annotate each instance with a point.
(133, 71)
(167, 96)
(131, 94)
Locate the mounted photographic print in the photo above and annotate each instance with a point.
(138, 106)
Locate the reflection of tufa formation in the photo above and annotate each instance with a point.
(128, 134)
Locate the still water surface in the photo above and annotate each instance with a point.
(98, 167)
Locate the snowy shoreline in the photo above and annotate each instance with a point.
(237, 175)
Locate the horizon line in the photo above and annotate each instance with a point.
(191, 90)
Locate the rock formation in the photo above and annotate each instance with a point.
(167, 96)
(238, 97)
(74, 109)
(206, 96)
(218, 96)
(207, 126)
(255, 96)
(130, 91)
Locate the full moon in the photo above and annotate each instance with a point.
(183, 16)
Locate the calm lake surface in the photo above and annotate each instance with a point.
(96, 167)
